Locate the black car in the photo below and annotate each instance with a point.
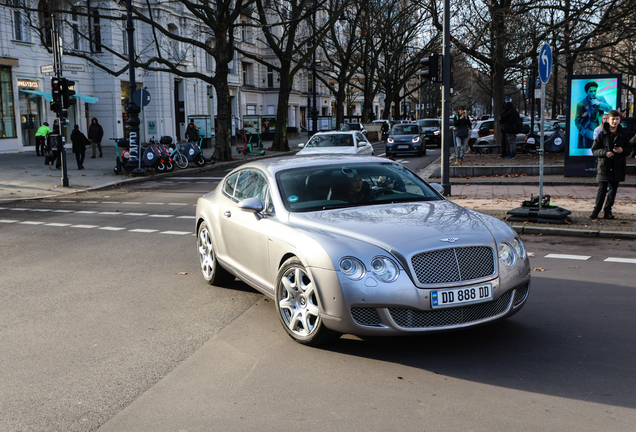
(406, 138)
(432, 129)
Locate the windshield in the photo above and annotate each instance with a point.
(405, 129)
(350, 126)
(350, 185)
(331, 140)
(428, 123)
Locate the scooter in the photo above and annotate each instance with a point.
(247, 148)
(122, 158)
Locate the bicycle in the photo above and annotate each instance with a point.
(180, 160)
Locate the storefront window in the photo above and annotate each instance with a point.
(7, 123)
(30, 118)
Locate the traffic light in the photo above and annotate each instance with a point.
(432, 63)
(56, 89)
(67, 93)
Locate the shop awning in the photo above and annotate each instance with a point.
(45, 95)
(87, 99)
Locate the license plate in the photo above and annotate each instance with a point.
(401, 147)
(460, 296)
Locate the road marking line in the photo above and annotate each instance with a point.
(63, 211)
(156, 203)
(31, 223)
(110, 213)
(178, 204)
(66, 201)
(55, 224)
(41, 210)
(109, 228)
(7, 221)
(203, 182)
(89, 202)
(20, 209)
(160, 216)
(129, 202)
(135, 214)
(84, 226)
(139, 230)
(186, 217)
(571, 257)
(176, 232)
(86, 212)
(621, 260)
(110, 202)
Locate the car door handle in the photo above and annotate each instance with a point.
(227, 213)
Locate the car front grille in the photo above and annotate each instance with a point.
(365, 316)
(410, 318)
(454, 264)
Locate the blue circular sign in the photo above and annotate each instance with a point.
(545, 63)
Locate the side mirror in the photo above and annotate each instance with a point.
(253, 205)
(438, 188)
(301, 145)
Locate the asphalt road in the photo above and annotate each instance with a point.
(105, 323)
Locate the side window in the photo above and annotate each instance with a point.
(361, 139)
(251, 184)
(230, 184)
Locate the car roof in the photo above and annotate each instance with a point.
(283, 163)
(336, 132)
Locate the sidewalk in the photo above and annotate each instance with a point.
(506, 185)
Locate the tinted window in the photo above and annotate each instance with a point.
(331, 140)
(251, 184)
(406, 129)
(361, 139)
(349, 185)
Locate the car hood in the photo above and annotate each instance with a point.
(403, 138)
(328, 150)
(401, 228)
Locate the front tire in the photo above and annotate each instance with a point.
(199, 161)
(160, 167)
(212, 271)
(180, 160)
(297, 305)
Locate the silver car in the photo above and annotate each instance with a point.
(336, 142)
(358, 245)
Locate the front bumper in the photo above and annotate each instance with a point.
(403, 148)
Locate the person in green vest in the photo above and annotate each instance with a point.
(40, 137)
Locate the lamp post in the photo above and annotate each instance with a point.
(132, 109)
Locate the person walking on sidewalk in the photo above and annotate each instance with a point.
(192, 132)
(599, 128)
(509, 141)
(40, 138)
(611, 147)
(80, 142)
(462, 128)
(95, 134)
(53, 145)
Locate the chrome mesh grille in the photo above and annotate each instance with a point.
(454, 264)
(365, 316)
(521, 293)
(409, 318)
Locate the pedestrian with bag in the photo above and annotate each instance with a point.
(95, 134)
(611, 148)
(40, 138)
(462, 132)
(509, 142)
(80, 142)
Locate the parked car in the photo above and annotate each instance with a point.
(432, 130)
(345, 142)
(481, 129)
(353, 127)
(390, 256)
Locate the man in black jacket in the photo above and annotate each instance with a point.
(509, 141)
(611, 147)
(95, 134)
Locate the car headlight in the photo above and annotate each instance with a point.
(506, 254)
(517, 244)
(436, 133)
(416, 139)
(384, 269)
(390, 140)
(352, 268)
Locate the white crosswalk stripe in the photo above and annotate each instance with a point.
(84, 226)
(621, 260)
(141, 230)
(570, 257)
(109, 228)
(176, 232)
(55, 224)
(31, 223)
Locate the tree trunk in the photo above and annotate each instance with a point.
(280, 134)
(224, 115)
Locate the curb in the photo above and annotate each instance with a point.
(524, 229)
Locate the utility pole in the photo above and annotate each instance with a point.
(62, 113)
(132, 109)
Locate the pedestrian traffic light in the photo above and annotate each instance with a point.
(67, 93)
(432, 63)
(56, 89)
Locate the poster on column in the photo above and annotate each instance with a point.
(589, 97)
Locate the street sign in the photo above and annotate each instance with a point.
(545, 63)
(537, 93)
(537, 82)
(141, 97)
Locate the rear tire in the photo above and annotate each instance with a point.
(160, 168)
(169, 166)
(212, 271)
(484, 150)
(199, 161)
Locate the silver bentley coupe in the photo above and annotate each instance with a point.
(358, 245)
